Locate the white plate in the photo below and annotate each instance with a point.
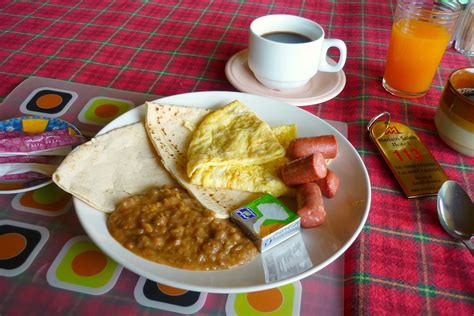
(322, 87)
(38, 185)
(346, 213)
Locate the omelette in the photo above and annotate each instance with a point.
(232, 135)
(251, 178)
(232, 148)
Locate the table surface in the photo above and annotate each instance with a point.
(403, 261)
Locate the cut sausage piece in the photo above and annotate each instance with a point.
(310, 205)
(302, 147)
(304, 170)
(330, 184)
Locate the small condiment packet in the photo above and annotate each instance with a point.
(267, 221)
(412, 164)
(35, 134)
(31, 143)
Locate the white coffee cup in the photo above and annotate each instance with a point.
(283, 66)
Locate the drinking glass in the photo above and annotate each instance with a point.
(421, 31)
(465, 32)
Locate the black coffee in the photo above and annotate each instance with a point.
(287, 37)
(468, 92)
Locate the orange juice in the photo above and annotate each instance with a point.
(415, 50)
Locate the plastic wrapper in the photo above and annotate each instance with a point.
(31, 148)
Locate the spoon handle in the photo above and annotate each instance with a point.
(469, 245)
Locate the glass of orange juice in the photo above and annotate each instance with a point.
(421, 31)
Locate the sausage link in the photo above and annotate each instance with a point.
(310, 205)
(302, 147)
(304, 170)
(330, 184)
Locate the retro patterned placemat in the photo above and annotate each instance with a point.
(87, 107)
(45, 254)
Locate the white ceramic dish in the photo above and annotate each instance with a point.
(40, 184)
(322, 87)
(347, 212)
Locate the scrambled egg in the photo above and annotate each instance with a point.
(233, 149)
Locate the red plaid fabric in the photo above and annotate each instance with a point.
(403, 262)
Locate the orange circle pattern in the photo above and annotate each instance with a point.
(49, 101)
(89, 263)
(266, 301)
(12, 245)
(169, 290)
(106, 110)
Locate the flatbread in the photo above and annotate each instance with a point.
(111, 167)
(170, 130)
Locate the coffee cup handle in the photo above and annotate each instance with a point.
(328, 43)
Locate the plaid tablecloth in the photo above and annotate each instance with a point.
(403, 262)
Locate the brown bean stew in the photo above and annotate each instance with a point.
(168, 226)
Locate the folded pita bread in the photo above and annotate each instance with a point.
(111, 167)
(170, 128)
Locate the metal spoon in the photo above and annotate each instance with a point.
(456, 212)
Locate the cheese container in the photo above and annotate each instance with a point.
(267, 221)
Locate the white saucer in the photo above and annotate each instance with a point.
(322, 87)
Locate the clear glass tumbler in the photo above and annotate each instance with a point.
(465, 32)
(421, 31)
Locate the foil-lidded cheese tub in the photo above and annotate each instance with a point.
(267, 221)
